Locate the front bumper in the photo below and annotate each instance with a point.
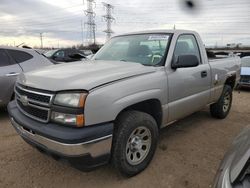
(91, 143)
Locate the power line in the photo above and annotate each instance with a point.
(109, 19)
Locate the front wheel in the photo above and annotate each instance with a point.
(221, 109)
(135, 141)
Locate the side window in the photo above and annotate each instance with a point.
(20, 56)
(4, 59)
(187, 45)
(60, 54)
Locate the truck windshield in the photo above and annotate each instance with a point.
(245, 62)
(146, 49)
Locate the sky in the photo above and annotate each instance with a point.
(219, 22)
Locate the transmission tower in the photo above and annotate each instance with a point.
(109, 19)
(91, 26)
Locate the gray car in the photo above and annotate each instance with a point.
(234, 171)
(14, 61)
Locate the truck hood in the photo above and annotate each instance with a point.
(82, 75)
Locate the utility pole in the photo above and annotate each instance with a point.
(109, 19)
(82, 31)
(41, 38)
(91, 26)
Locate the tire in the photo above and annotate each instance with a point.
(128, 142)
(221, 108)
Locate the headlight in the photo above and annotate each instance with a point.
(70, 116)
(70, 99)
(68, 119)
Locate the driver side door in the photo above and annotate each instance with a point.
(189, 88)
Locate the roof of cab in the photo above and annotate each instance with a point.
(173, 31)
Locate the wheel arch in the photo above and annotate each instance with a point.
(231, 80)
(149, 106)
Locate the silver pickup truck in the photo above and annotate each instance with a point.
(111, 109)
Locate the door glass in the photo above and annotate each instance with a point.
(187, 45)
(60, 54)
(4, 59)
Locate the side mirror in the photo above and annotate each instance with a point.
(185, 61)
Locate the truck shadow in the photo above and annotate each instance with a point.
(3, 113)
(246, 89)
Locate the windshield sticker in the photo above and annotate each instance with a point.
(158, 37)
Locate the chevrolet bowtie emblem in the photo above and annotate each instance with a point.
(24, 100)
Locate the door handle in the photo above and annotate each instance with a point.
(204, 74)
(12, 74)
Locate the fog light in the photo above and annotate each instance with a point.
(68, 119)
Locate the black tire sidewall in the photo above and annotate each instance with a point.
(217, 108)
(127, 125)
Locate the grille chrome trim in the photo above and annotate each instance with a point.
(35, 104)
(35, 92)
(33, 101)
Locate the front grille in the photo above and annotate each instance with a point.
(33, 103)
(245, 78)
(34, 96)
(33, 112)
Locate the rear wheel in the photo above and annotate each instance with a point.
(135, 141)
(222, 107)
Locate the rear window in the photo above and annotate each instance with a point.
(20, 56)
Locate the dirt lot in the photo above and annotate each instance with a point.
(188, 155)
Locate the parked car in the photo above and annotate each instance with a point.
(234, 171)
(245, 72)
(112, 108)
(65, 55)
(87, 52)
(14, 61)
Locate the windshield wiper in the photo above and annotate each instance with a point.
(123, 60)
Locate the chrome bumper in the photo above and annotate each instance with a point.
(95, 148)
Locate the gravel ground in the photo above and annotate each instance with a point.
(188, 155)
